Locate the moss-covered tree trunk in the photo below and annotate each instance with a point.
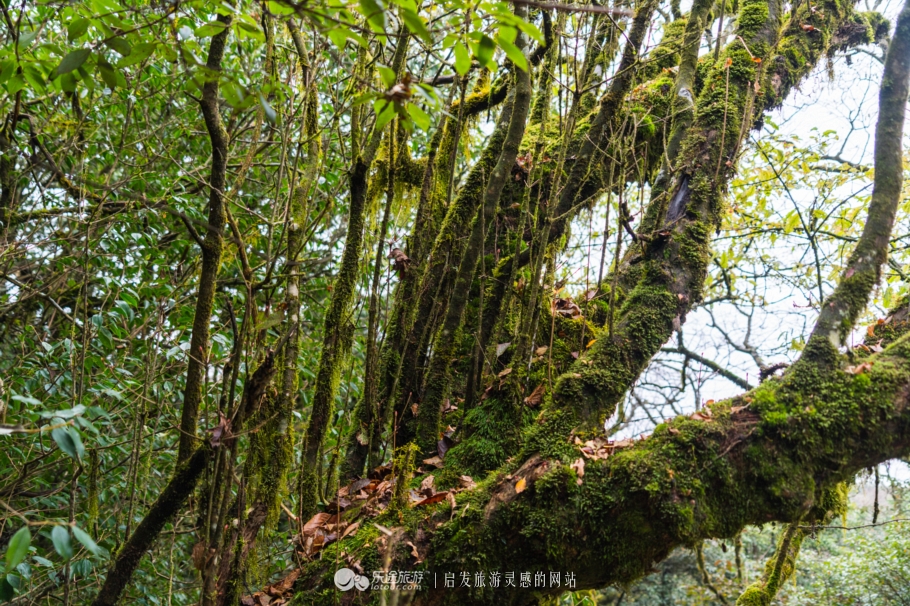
(606, 513)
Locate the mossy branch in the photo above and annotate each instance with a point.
(840, 311)
(213, 243)
(777, 453)
(664, 278)
(336, 338)
(445, 345)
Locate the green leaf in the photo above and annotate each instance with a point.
(60, 536)
(338, 36)
(71, 61)
(531, 30)
(387, 75)
(34, 77)
(250, 31)
(77, 440)
(15, 84)
(419, 116)
(280, 8)
(507, 33)
(108, 74)
(84, 538)
(514, 53)
(374, 11)
(483, 50)
(383, 117)
(25, 38)
(69, 413)
(120, 45)
(9, 67)
(77, 28)
(65, 441)
(18, 548)
(139, 53)
(210, 29)
(416, 25)
(7, 593)
(26, 400)
(270, 113)
(462, 59)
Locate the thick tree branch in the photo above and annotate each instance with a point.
(840, 310)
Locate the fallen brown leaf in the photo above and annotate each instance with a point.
(350, 530)
(317, 521)
(434, 461)
(436, 498)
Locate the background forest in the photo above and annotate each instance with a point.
(250, 250)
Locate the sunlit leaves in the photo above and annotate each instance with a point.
(462, 59)
(416, 24)
(483, 47)
(374, 12)
(420, 117)
(512, 51)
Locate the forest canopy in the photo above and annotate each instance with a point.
(325, 302)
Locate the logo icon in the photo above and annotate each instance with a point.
(346, 579)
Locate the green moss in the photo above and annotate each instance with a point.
(403, 471)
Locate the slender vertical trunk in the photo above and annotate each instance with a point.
(212, 244)
(337, 330)
(444, 350)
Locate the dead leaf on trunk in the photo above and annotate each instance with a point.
(220, 432)
(579, 467)
(536, 396)
(443, 446)
(501, 348)
(400, 261)
(414, 552)
(541, 350)
(200, 555)
(860, 368)
(565, 307)
(520, 486)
